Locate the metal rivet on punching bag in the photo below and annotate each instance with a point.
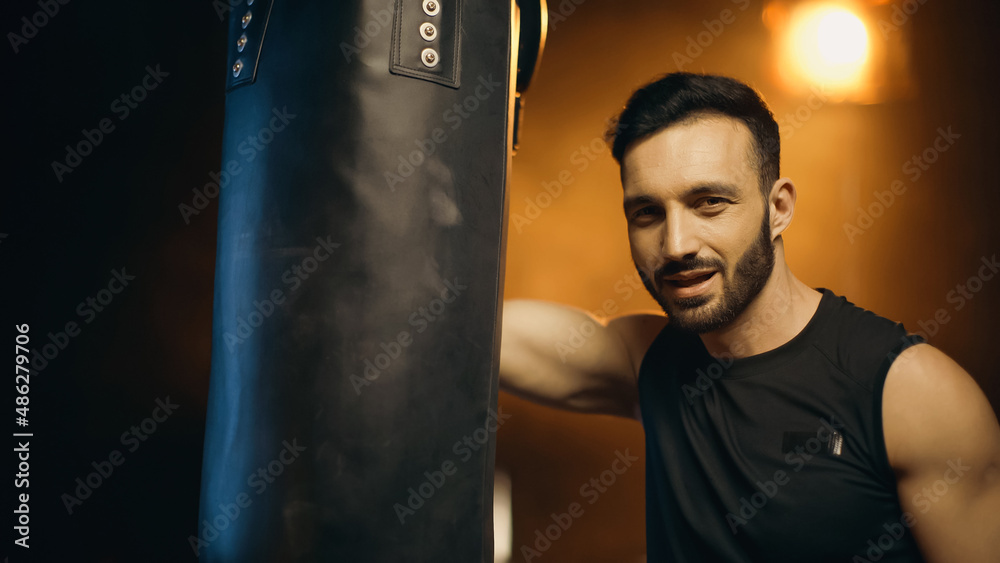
(237, 67)
(246, 19)
(431, 7)
(241, 43)
(428, 31)
(429, 57)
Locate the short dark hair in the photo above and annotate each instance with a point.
(679, 96)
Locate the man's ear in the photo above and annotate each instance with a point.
(782, 206)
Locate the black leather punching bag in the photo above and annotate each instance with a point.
(362, 214)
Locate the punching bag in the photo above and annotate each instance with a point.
(362, 211)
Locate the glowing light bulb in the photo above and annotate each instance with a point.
(841, 38)
(827, 44)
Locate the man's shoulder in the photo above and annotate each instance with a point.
(638, 331)
(933, 410)
(851, 315)
(861, 342)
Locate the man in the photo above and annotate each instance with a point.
(782, 423)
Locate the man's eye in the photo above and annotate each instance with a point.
(644, 213)
(713, 202)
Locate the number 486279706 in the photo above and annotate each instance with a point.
(20, 365)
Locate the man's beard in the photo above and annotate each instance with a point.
(752, 271)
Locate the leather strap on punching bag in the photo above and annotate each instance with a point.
(362, 215)
(533, 25)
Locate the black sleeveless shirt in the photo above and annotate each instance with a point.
(778, 456)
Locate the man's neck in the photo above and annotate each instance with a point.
(779, 312)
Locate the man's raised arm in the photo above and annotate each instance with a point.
(564, 357)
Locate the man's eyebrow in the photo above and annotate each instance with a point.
(714, 188)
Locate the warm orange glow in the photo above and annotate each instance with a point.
(827, 45)
(775, 15)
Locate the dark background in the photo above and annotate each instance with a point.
(119, 210)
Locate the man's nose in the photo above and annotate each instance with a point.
(679, 241)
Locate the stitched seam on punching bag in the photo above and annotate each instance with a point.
(396, 49)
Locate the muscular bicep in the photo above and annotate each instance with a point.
(563, 357)
(943, 442)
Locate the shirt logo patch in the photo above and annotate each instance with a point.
(826, 440)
